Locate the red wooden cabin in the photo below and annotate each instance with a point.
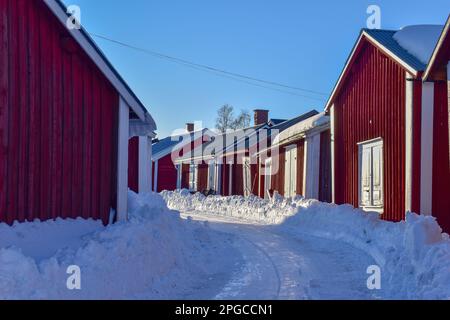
(382, 129)
(167, 151)
(64, 119)
(438, 73)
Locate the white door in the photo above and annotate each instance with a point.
(290, 172)
(218, 179)
(371, 175)
(211, 175)
(267, 177)
(247, 177)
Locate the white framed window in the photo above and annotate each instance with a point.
(193, 173)
(371, 176)
(267, 177)
(247, 176)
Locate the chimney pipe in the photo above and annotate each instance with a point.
(190, 127)
(261, 116)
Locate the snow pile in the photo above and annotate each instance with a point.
(419, 40)
(153, 256)
(414, 255)
(252, 209)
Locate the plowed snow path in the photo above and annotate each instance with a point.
(276, 265)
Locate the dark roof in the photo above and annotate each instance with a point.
(386, 38)
(172, 141)
(274, 122)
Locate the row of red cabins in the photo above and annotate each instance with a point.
(74, 137)
(385, 148)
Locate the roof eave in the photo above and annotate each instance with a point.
(436, 51)
(363, 34)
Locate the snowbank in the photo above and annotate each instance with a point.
(419, 40)
(252, 209)
(414, 255)
(153, 256)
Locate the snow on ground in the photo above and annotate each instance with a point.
(414, 255)
(156, 255)
(419, 40)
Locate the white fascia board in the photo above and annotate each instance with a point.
(445, 31)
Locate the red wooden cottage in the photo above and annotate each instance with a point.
(382, 119)
(64, 119)
(298, 162)
(438, 73)
(166, 155)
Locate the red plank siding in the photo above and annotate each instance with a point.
(325, 167)
(202, 178)
(167, 174)
(58, 121)
(371, 104)
(133, 164)
(441, 170)
(300, 166)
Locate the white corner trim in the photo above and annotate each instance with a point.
(145, 156)
(179, 175)
(408, 143)
(312, 165)
(122, 163)
(426, 164)
(155, 178)
(333, 164)
(91, 51)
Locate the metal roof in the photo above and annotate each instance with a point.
(386, 39)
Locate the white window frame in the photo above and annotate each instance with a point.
(267, 177)
(247, 176)
(193, 175)
(361, 146)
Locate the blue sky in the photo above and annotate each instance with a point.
(298, 43)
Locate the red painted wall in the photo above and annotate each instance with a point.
(167, 174)
(371, 104)
(133, 164)
(202, 178)
(58, 121)
(325, 167)
(441, 170)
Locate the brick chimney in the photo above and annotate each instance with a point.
(190, 127)
(261, 116)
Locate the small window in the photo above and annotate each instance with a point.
(371, 175)
(193, 172)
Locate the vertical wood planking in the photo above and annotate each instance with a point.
(4, 106)
(371, 105)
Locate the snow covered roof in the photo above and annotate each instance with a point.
(299, 129)
(419, 40)
(408, 47)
